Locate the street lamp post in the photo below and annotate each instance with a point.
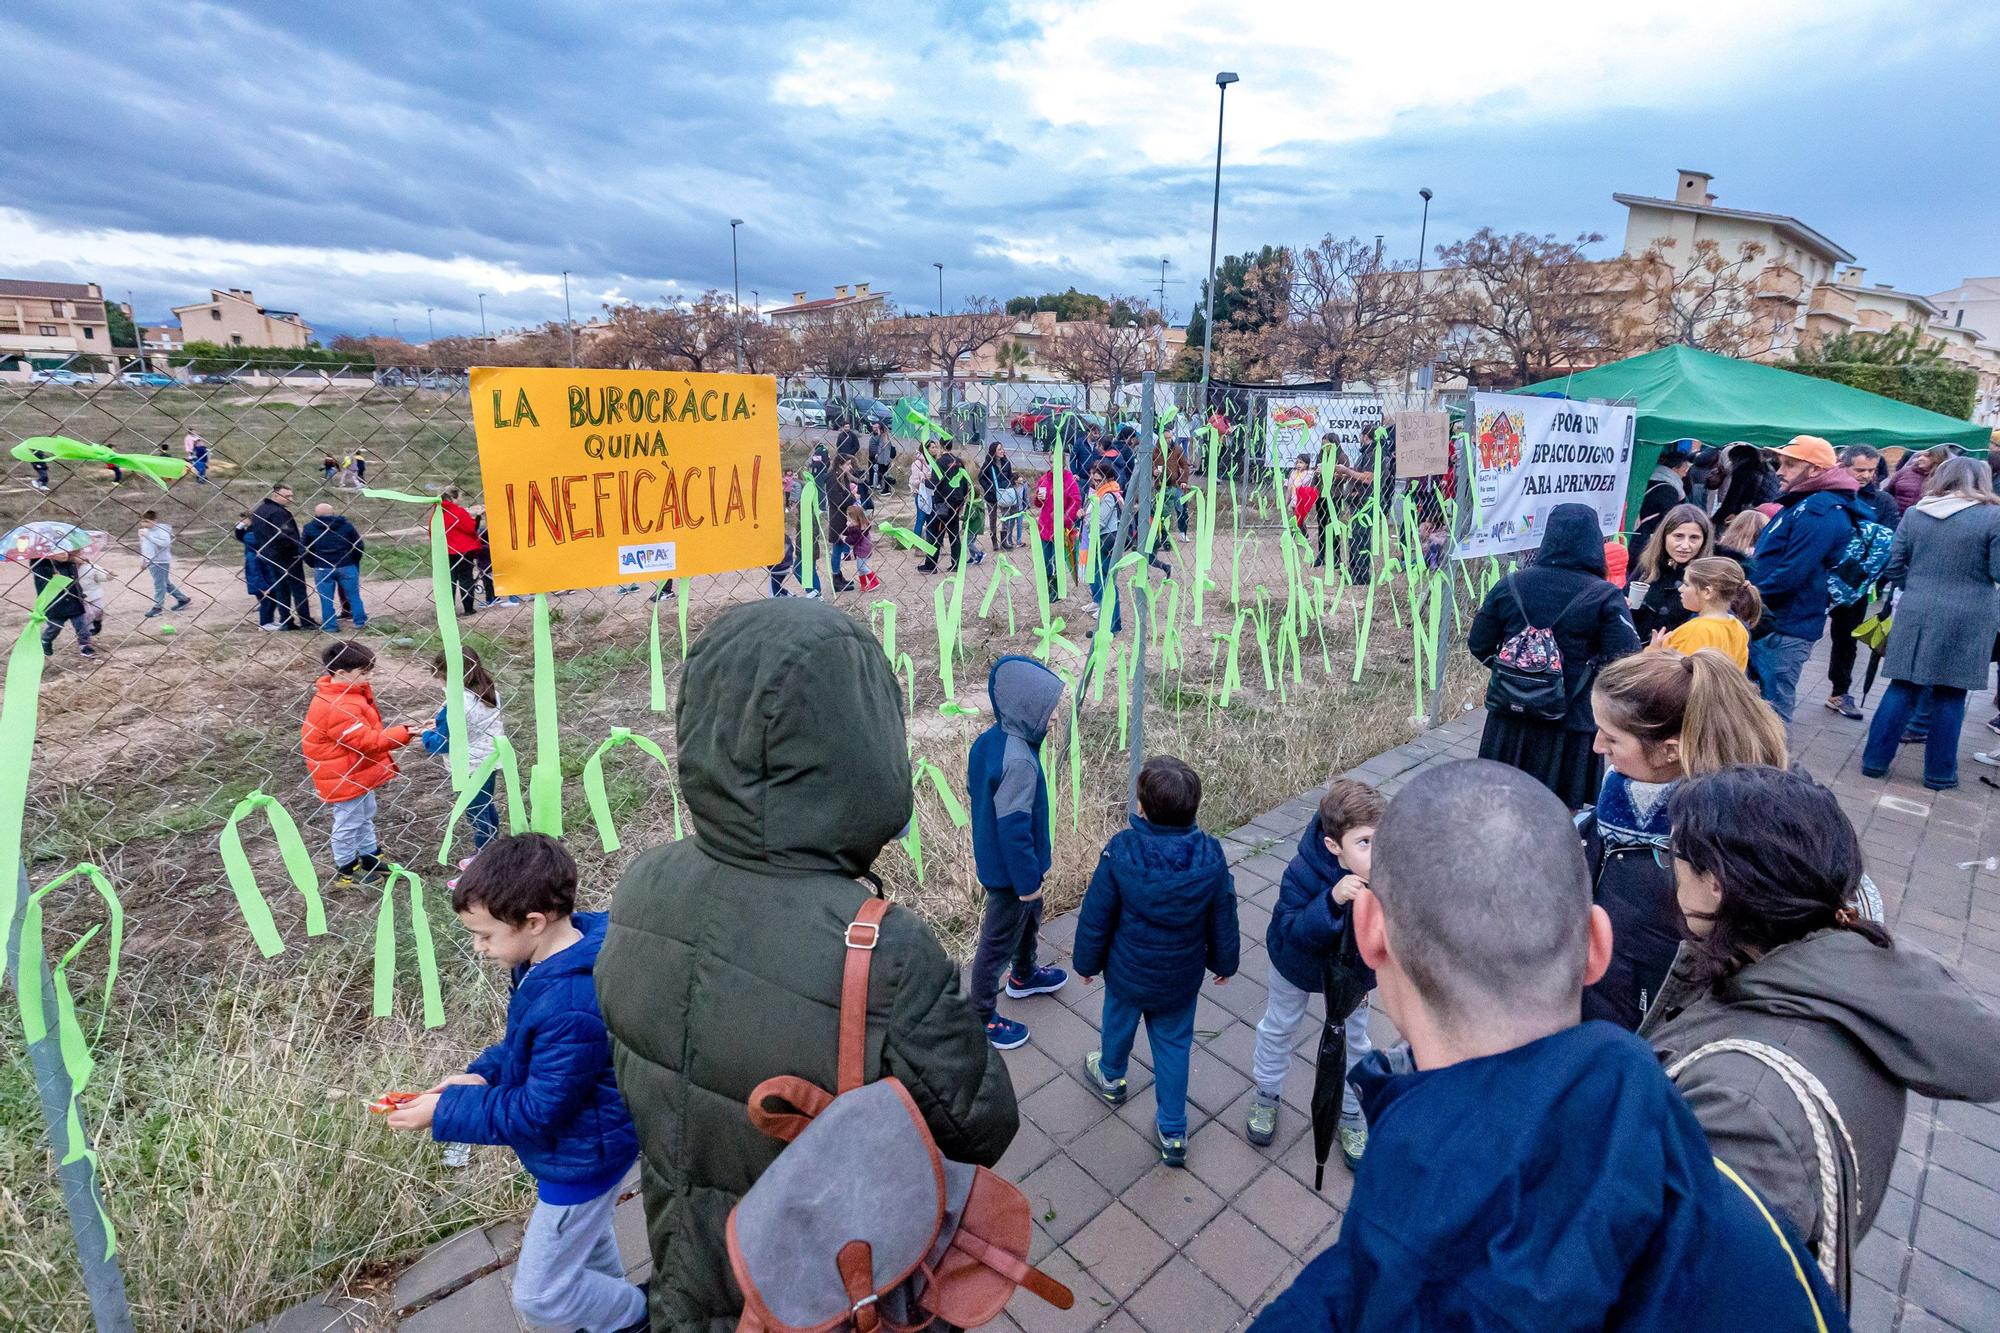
(569, 321)
(482, 321)
(736, 286)
(430, 320)
(1417, 296)
(940, 268)
(1222, 82)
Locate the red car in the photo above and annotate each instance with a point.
(1024, 423)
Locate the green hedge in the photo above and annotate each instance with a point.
(207, 358)
(1938, 386)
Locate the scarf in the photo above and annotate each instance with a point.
(1632, 814)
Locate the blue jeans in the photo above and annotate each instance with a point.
(485, 819)
(1171, 1032)
(1780, 660)
(1946, 706)
(1098, 591)
(347, 579)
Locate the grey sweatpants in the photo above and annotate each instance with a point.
(569, 1275)
(1283, 1012)
(353, 828)
(1007, 933)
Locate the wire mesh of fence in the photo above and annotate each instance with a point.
(234, 1151)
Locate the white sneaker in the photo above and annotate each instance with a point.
(1990, 758)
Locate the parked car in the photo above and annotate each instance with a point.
(217, 378)
(859, 413)
(151, 379)
(801, 412)
(1027, 419)
(1045, 430)
(71, 378)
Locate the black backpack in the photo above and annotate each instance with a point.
(1528, 670)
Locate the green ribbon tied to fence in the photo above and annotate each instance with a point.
(43, 448)
(504, 761)
(545, 774)
(421, 945)
(70, 1041)
(593, 783)
(20, 713)
(456, 763)
(243, 880)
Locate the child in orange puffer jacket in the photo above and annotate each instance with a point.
(347, 752)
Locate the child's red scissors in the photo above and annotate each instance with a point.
(389, 1101)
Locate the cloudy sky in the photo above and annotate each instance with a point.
(360, 163)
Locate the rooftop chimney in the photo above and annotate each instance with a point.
(840, 292)
(861, 289)
(1692, 188)
(798, 298)
(1852, 277)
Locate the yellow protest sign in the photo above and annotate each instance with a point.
(600, 477)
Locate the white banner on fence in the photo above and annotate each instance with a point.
(1531, 454)
(1295, 424)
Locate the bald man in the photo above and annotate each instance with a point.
(333, 553)
(1525, 1171)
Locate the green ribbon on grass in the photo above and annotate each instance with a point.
(906, 539)
(1004, 573)
(156, 467)
(243, 880)
(954, 809)
(20, 709)
(71, 1044)
(593, 783)
(504, 760)
(545, 775)
(420, 940)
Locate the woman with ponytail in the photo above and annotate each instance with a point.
(1795, 1029)
(1661, 716)
(1726, 608)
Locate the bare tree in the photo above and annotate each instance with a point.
(1349, 316)
(943, 341)
(850, 344)
(1521, 307)
(1705, 299)
(1107, 348)
(677, 335)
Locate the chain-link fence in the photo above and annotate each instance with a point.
(236, 1159)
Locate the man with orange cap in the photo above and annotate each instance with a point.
(1818, 515)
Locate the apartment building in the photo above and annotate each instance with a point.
(232, 317)
(43, 324)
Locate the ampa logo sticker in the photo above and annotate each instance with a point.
(651, 559)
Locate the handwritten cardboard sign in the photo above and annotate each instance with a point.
(601, 477)
(1420, 443)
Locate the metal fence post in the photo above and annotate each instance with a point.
(103, 1279)
(1142, 508)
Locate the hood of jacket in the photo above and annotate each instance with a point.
(792, 754)
(1941, 506)
(1833, 479)
(1921, 1023)
(1573, 540)
(1177, 866)
(1024, 694)
(579, 960)
(1663, 473)
(1315, 860)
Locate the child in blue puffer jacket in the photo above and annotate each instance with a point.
(1332, 865)
(1160, 910)
(546, 1089)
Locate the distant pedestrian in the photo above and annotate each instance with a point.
(462, 545)
(67, 607)
(253, 568)
(333, 552)
(196, 449)
(348, 754)
(281, 601)
(156, 548)
(40, 462)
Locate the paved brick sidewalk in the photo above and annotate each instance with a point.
(1159, 1251)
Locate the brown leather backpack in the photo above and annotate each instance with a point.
(861, 1223)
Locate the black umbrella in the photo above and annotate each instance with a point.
(1347, 980)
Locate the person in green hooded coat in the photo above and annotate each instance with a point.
(722, 963)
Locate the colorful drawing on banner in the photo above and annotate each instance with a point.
(1500, 441)
(598, 477)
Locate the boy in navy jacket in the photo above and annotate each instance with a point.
(1332, 866)
(1527, 1171)
(546, 1089)
(1160, 909)
(1010, 840)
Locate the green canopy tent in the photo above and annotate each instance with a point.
(1684, 393)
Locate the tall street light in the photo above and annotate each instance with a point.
(1222, 82)
(940, 268)
(736, 285)
(482, 321)
(430, 319)
(569, 321)
(1417, 297)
